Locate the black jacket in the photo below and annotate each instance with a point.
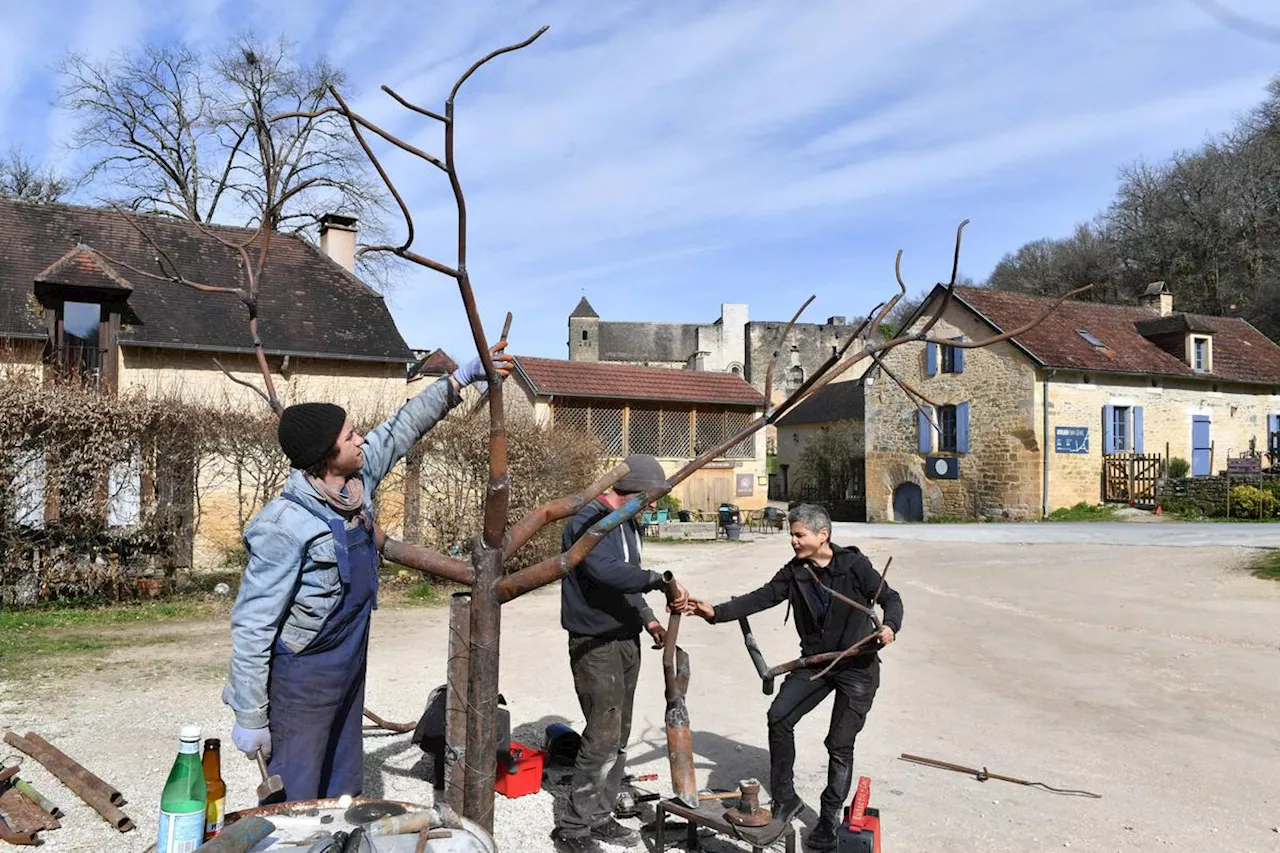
(851, 574)
(602, 596)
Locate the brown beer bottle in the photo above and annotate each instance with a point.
(212, 764)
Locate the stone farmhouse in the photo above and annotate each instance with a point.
(1087, 406)
(732, 344)
(69, 305)
(673, 415)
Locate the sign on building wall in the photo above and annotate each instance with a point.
(746, 485)
(1071, 439)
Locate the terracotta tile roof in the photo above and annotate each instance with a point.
(308, 304)
(1240, 352)
(625, 382)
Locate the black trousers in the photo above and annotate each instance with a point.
(855, 688)
(605, 673)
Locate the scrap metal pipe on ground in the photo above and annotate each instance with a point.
(73, 776)
(23, 813)
(36, 797)
(113, 796)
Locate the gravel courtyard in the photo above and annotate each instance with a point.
(1146, 674)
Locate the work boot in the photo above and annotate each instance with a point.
(786, 811)
(823, 837)
(575, 843)
(616, 833)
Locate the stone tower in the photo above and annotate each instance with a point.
(584, 332)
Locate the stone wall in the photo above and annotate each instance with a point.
(1238, 415)
(1000, 476)
(813, 344)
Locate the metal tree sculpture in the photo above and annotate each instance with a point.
(498, 541)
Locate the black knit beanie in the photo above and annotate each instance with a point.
(308, 430)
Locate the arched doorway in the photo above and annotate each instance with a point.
(908, 503)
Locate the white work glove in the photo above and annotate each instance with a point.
(473, 371)
(250, 741)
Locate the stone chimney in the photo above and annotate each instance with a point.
(338, 239)
(837, 320)
(1157, 299)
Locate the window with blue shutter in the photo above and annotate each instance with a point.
(924, 428)
(957, 358)
(1108, 437)
(962, 428)
(1273, 434)
(931, 359)
(1137, 429)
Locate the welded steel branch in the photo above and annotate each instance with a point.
(675, 671)
(526, 528)
(428, 561)
(552, 569)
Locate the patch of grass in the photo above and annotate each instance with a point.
(84, 628)
(950, 519)
(1267, 566)
(1084, 512)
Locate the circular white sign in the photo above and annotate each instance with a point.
(940, 466)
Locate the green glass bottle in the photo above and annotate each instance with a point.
(183, 803)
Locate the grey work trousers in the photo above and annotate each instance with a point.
(604, 675)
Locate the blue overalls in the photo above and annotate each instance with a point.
(316, 695)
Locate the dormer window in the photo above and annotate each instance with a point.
(1201, 354)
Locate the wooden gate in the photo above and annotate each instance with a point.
(707, 489)
(1131, 478)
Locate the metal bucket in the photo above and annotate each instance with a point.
(296, 822)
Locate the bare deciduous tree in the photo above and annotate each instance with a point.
(170, 130)
(22, 178)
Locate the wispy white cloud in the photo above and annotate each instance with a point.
(730, 151)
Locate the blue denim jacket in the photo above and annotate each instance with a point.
(291, 584)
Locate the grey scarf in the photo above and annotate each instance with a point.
(347, 504)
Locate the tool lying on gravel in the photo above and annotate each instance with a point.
(272, 786)
(96, 793)
(20, 818)
(983, 775)
(36, 797)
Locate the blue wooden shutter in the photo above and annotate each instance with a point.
(1137, 429)
(924, 426)
(962, 428)
(931, 359)
(1108, 433)
(958, 352)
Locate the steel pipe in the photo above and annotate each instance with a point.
(458, 674)
(73, 776)
(113, 796)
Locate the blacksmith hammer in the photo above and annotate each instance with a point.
(272, 786)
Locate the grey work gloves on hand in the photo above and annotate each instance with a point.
(250, 741)
(473, 371)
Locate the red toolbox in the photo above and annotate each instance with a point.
(523, 775)
(859, 832)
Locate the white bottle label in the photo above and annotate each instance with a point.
(180, 833)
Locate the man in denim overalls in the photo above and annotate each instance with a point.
(300, 626)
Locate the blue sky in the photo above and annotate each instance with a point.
(669, 156)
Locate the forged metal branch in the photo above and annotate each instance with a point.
(526, 528)
(274, 404)
(417, 109)
(427, 561)
(951, 285)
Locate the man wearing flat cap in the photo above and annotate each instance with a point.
(602, 607)
(300, 626)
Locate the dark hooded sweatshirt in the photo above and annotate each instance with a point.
(825, 624)
(602, 596)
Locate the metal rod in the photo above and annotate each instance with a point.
(72, 775)
(455, 715)
(426, 560)
(240, 837)
(113, 796)
(525, 529)
(983, 775)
